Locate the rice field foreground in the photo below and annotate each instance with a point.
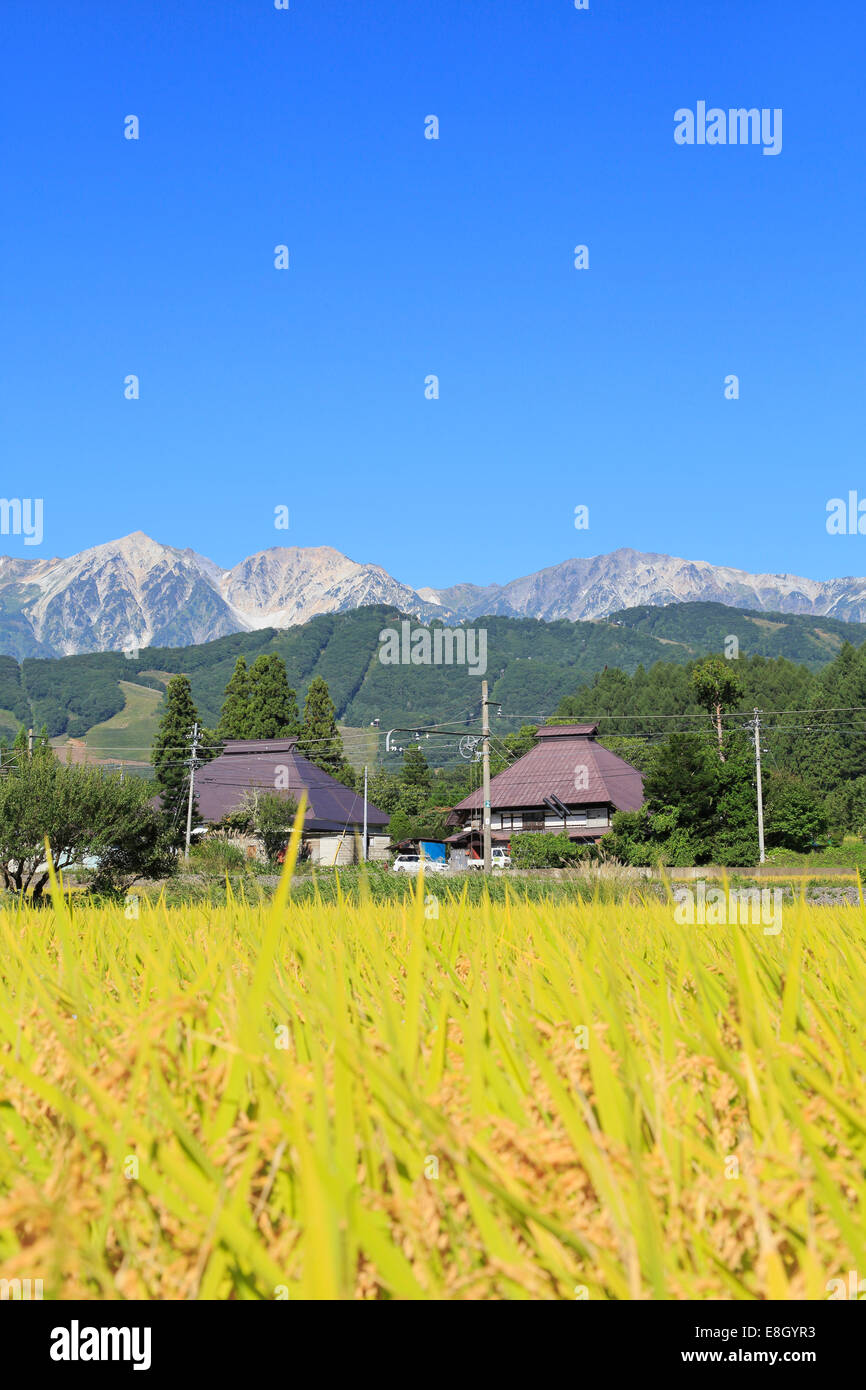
(430, 1100)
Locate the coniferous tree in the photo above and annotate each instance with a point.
(415, 771)
(273, 707)
(681, 775)
(833, 750)
(320, 739)
(172, 746)
(845, 808)
(234, 714)
(416, 781)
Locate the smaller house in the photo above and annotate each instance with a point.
(334, 820)
(567, 782)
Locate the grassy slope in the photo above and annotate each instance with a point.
(361, 745)
(128, 736)
(8, 724)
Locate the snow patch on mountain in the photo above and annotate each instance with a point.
(138, 590)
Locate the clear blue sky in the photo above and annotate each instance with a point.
(455, 257)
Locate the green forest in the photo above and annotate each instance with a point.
(813, 741)
(532, 665)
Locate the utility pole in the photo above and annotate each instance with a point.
(485, 764)
(758, 780)
(364, 850)
(30, 741)
(191, 788)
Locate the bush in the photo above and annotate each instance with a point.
(274, 818)
(645, 840)
(794, 817)
(736, 850)
(538, 851)
(267, 815)
(216, 856)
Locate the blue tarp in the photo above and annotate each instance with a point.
(434, 849)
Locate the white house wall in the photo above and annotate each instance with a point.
(595, 818)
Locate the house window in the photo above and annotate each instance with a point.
(533, 820)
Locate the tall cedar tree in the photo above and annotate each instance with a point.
(320, 739)
(235, 709)
(273, 706)
(415, 771)
(172, 745)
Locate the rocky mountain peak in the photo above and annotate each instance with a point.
(137, 588)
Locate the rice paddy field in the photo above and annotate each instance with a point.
(429, 1099)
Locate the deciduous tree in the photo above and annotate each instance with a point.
(79, 811)
(716, 685)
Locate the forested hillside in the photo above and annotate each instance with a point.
(527, 661)
(531, 666)
(706, 627)
(813, 722)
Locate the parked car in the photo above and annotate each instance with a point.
(411, 863)
(499, 859)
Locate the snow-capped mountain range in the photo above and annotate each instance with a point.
(136, 590)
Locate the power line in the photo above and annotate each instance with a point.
(731, 714)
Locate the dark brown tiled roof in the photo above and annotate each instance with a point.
(274, 765)
(566, 731)
(569, 764)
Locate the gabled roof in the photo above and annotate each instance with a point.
(567, 763)
(275, 765)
